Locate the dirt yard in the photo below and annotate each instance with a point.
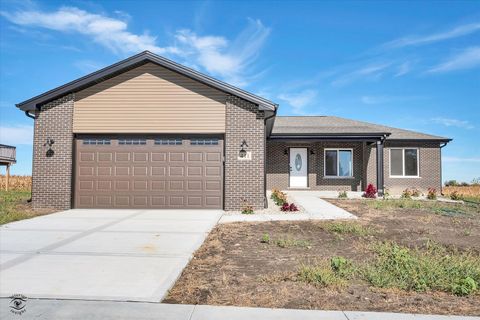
(257, 264)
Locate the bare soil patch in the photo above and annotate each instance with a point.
(234, 266)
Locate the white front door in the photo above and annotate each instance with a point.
(298, 168)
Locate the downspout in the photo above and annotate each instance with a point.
(441, 173)
(27, 113)
(265, 201)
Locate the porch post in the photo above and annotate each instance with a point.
(380, 168)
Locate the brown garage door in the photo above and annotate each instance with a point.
(148, 172)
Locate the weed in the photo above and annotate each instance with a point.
(265, 238)
(291, 242)
(320, 274)
(342, 195)
(348, 228)
(423, 270)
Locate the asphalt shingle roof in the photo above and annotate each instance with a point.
(328, 125)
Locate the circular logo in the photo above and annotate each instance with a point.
(18, 303)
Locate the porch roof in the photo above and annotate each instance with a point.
(336, 127)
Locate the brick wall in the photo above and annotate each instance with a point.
(52, 175)
(278, 166)
(244, 179)
(429, 167)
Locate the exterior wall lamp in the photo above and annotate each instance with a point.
(49, 144)
(243, 153)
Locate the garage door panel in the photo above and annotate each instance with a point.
(148, 175)
(104, 171)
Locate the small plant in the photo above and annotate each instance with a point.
(320, 274)
(291, 242)
(406, 194)
(342, 195)
(415, 192)
(465, 286)
(353, 228)
(370, 192)
(341, 266)
(432, 194)
(455, 195)
(279, 197)
(289, 207)
(247, 208)
(265, 238)
(386, 193)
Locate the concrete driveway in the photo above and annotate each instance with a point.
(124, 255)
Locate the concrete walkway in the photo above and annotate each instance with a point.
(110, 310)
(125, 255)
(315, 209)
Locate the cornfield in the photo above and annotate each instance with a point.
(17, 183)
(470, 192)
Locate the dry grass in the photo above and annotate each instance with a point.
(17, 183)
(467, 192)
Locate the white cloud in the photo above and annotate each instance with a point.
(375, 99)
(299, 100)
(448, 122)
(459, 159)
(109, 32)
(420, 40)
(467, 59)
(382, 99)
(372, 72)
(16, 135)
(403, 69)
(231, 60)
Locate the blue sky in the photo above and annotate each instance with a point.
(405, 64)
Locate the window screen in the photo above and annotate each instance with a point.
(331, 162)
(345, 163)
(396, 162)
(411, 168)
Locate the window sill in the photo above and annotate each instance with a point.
(405, 177)
(342, 178)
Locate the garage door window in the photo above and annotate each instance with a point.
(204, 142)
(134, 141)
(96, 141)
(169, 141)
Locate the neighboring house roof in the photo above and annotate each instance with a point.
(132, 62)
(335, 126)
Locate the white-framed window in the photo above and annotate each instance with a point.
(404, 162)
(338, 163)
(169, 141)
(96, 141)
(204, 142)
(132, 141)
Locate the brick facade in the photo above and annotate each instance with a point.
(244, 179)
(364, 167)
(278, 166)
(52, 174)
(429, 167)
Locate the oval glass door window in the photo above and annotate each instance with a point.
(298, 162)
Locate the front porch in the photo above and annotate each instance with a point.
(325, 164)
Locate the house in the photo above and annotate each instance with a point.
(147, 132)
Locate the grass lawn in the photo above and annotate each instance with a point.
(14, 206)
(399, 256)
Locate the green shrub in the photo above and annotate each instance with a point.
(279, 197)
(342, 195)
(341, 266)
(422, 270)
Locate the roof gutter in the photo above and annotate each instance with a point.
(265, 155)
(27, 113)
